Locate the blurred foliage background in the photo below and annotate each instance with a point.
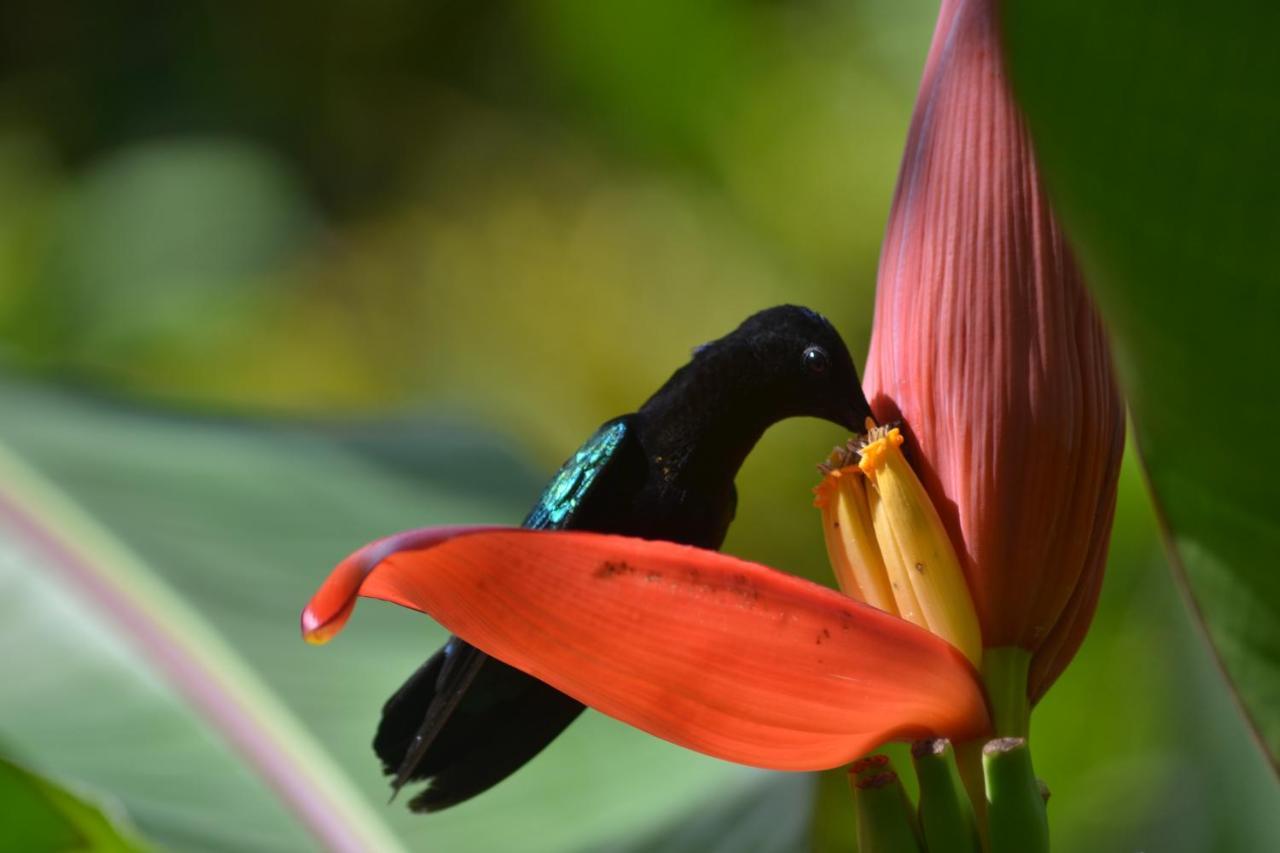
(276, 279)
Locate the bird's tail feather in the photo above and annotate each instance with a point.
(465, 722)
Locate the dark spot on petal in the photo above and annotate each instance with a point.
(611, 568)
(744, 588)
(920, 568)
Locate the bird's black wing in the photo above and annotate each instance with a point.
(466, 721)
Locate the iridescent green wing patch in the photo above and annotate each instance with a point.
(571, 484)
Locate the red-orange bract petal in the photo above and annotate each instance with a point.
(331, 606)
(714, 653)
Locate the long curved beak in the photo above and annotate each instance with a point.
(852, 413)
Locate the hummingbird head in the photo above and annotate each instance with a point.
(789, 361)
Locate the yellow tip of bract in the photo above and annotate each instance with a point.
(316, 631)
(884, 533)
(879, 444)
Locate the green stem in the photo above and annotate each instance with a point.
(885, 822)
(947, 822)
(871, 765)
(1004, 672)
(1016, 821)
(969, 763)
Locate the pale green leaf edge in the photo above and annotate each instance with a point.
(196, 661)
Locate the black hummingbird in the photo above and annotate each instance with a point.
(464, 720)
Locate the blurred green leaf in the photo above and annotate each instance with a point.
(42, 816)
(1159, 132)
(658, 70)
(159, 233)
(241, 521)
(763, 812)
(116, 682)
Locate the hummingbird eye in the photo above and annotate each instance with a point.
(815, 358)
